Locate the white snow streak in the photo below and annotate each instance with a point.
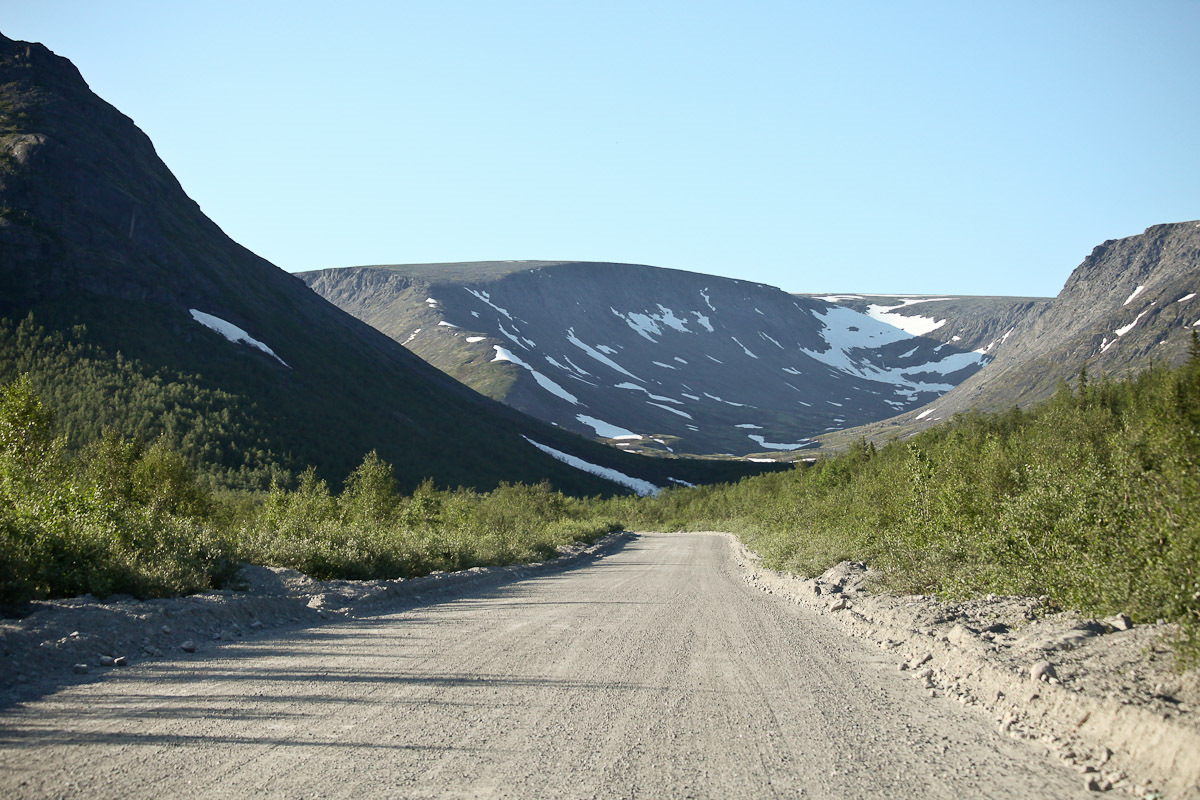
(745, 349)
(486, 297)
(512, 337)
(776, 445)
(1127, 328)
(233, 333)
(1135, 293)
(596, 354)
(641, 487)
(668, 408)
(606, 430)
(503, 354)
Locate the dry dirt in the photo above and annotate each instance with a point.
(650, 666)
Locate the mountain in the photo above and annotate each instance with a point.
(96, 232)
(1131, 303)
(673, 361)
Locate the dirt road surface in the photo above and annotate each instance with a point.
(654, 672)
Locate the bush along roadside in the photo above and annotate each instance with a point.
(123, 517)
(1092, 498)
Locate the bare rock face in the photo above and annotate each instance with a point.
(1132, 302)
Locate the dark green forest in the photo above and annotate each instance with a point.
(116, 479)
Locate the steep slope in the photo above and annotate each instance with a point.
(661, 359)
(1131, 303)
(95, 231)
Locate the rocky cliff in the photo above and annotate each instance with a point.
(1133, 302)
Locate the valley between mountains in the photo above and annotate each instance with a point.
(293, 535)
(667, 362)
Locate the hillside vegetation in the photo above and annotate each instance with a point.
(123, 517)
(92, 391)
(1092, 498)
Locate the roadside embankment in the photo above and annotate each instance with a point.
(77, 639)
(1103, 695)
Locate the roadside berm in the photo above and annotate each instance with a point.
(1104, 695)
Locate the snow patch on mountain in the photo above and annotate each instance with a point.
(487, 298)
(595, 353)
(745, 349)
(606, 430)
(762, 442)
(503, 354)
(850, 334)
(1124, 329)
(672, 410)
(772, 341)
(912, 325)
(641, 487)
(233, 333)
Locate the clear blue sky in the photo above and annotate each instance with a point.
(928, 147)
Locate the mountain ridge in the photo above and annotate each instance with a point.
(705, 359)
(1131, 302)
(1121, 309)
(96, 231)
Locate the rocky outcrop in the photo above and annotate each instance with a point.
(1133, 302)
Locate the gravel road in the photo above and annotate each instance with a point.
(654, 672)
